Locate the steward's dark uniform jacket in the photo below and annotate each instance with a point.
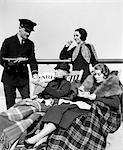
(17, 74)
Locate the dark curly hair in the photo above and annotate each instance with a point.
(83, 33)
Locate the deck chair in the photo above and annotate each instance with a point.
(75, 75)
(46, 77)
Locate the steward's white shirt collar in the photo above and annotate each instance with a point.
(19, 37)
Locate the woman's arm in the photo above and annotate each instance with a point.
(113, 101)
(94, 58)
(62, 91)
(65, 53)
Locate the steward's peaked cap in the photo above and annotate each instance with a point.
(27, 24)
(63, 66)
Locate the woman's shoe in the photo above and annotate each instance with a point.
(28, 145)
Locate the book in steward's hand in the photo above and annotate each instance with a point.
(9, 59)
(15, 59)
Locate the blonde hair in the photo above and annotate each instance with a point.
(104, 69)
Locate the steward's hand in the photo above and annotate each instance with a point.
(36, 77)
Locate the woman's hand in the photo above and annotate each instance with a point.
(83, 94)
(81, 88)
(86, 95)
(68, 43)
(49, 102)
(92, 96)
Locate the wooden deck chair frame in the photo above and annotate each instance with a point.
(75, 75)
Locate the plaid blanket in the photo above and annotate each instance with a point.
(88, 133)
(16, 120)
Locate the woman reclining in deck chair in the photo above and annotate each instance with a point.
(18, 118)
(102, 91)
